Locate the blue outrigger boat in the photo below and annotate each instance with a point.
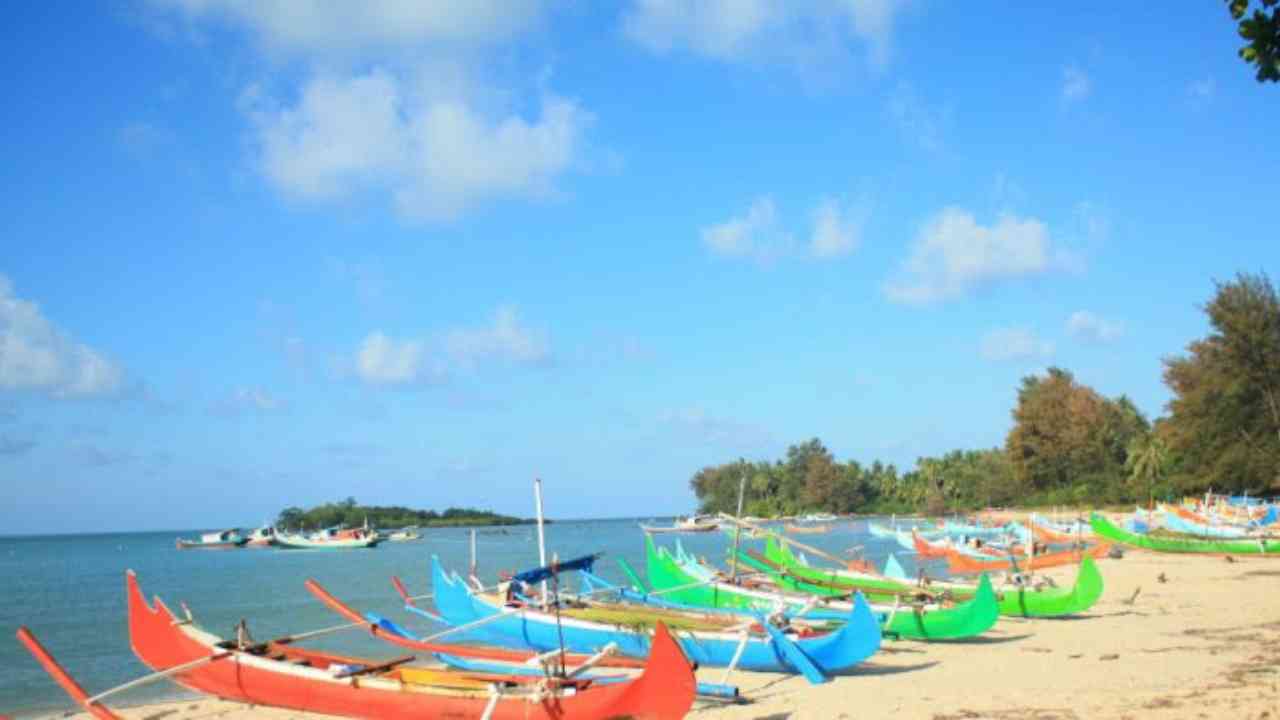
(508, 618)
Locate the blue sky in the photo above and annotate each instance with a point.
(266, 253)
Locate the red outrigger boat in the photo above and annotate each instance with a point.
(278, 674)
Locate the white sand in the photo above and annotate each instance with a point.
(1203, 644)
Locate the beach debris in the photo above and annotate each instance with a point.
(1229, 559)
(1109, 656)
(1134, 596)
(1161, 578)
(1116, 552)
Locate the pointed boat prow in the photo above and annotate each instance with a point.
(62, 677)
(667, 687)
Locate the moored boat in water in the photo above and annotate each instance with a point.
(331, 539)
(693, 523)
(224, 540)
(262, 537)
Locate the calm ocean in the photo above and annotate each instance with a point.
(69, 590)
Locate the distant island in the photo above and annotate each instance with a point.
(348, 512)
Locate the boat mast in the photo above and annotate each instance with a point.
(542, 539)
(737, 533)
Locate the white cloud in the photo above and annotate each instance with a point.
(917, 122)
(246, 400)
(35, 355)
(953, 254)
(325, 26)
(735, 30)
(420, 128)
(1014, 343)
(435, 156)
(1086, 326)
(505, 339)
(385, 361)
(753, 235)
(382, 360)
(837, 231)
(1075, 84)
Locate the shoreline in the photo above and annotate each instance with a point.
(1172, 636)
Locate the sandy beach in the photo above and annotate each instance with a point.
(1201, 639)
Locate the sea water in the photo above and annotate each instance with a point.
(69, 589)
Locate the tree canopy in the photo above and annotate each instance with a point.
(1262, 31)
(351, 514)
(1224, 425)
(1068, 444)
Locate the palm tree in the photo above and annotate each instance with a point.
(1146, 460)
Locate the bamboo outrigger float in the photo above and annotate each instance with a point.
(277, 673)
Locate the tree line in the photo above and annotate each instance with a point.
(351, 514)
(1068, 444)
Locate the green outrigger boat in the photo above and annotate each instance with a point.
(1160, 543)
(684, 580)
(1013, 600)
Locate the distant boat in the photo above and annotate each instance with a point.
(404, 535)
(262, 537)
(693, 523)
(807, 529)
(818, 517)
(225, 540)
(330, 539)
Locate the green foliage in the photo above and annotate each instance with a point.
(1262, 31)
(1224, 423)
(1064, 432)
(351, 514)
(1147, 463)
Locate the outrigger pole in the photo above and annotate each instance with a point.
(784, 538)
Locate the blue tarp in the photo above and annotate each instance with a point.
(542, 573)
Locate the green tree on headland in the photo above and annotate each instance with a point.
(349, 513)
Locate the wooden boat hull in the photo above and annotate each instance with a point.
(965, 620)
(1261, 546)
(962, 564)
(1016, 601)
(663, 692)
(292, 542)
(197, 545)
(839, 649)
(679, 529)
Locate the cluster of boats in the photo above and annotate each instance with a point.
(526, 646)
(1198, 526)
(337, 538)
